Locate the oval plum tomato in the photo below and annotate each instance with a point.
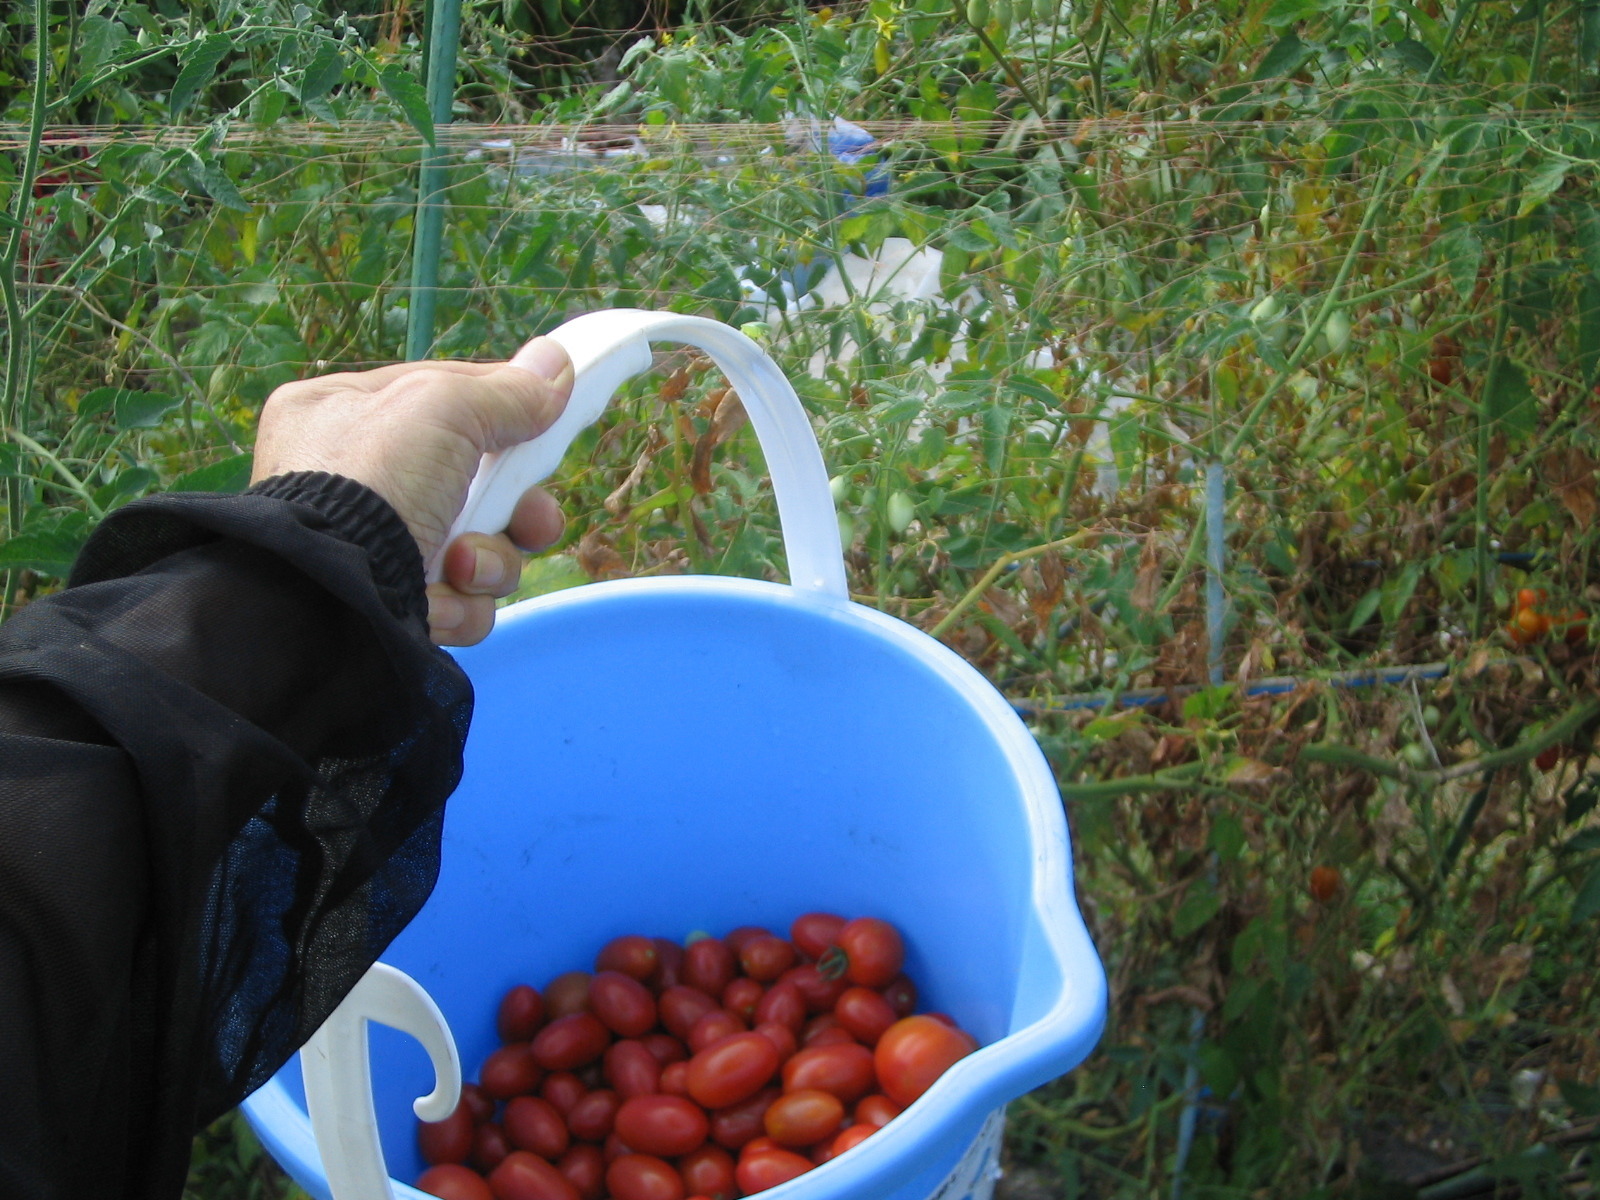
(732, 1070)
(666, 1048)
(669, 968)
(534, 1124)
(915, 1051)
(632, 1069)
(674, 1079)
(828, 1035)
(713, 1027)
(783, 1005)
(525, 1176)
(902, 996)
(844, 1070)
(643, 1177)
(803, 1117)
(780, 1036)
(562, 1089)
(876, 1110)
(614, 1149)
(709, 965)
(850, 1138)
(489, 1146)
(567, 994)
(872, 950)
(741, 997)
(632, 955)
(446, 1141)
(819, 992)
(814, 932)
(865, 1013)
(682, 1006)
(569, 1042)
(734, 1127)
(665, 1126)
(478, 1102)
(765, 958)
(708, 1172)
(451, 1181)
(768, 1168)
(1324, 883)
(521, 1013)
(736, 938)
(594, 1116)
(585, 1168)
(622, 1003)
(510, 1071)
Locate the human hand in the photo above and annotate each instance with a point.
(414, 433)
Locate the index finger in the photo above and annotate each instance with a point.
(380, 377)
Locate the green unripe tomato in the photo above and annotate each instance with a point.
(1337, 331)
(1415, 755)
(977, 13)
(900, 512)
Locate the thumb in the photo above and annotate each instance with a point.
(516, 403)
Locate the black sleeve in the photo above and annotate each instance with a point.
(225, 749)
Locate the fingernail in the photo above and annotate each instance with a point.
(488, 569)
(445, 612)
(545, 358)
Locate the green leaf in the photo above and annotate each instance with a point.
(1588, 223)
(1286, 57)
(1542, 184)
(1364, 609)
(1414, 54)
(1198, 907)
(1582, 843)
(964, 237)
(1227, 836)
(401, 86)
(1508, 401)
(199, 67)
(142, 410)
(219, 186)
(230, 475)
(50, 553)
(1287, 12)
(1462, 252)
(1584, 1099)
(1397, 592)
(1589, 330)
(1589, 35)
(322, 73)
(1587, 903)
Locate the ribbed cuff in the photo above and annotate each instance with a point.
(358, 515)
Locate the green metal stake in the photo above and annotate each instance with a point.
(444, 41)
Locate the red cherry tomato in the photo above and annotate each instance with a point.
(666, 1048)
(736, 1126)
(803, 1117)
(708, 1172)
(632, 1069)
(446, 1141)
(769, 1168)
(489, 1146)
(844, 1070)
(741, 997)
(709, 965)
(643, 1177)
(593, 1117)
(681, 1007)
(569, 1042)
(510, 1071)
(736, 938)
(614, 1149)
(757, 1145)
(731, 1070)
(623, 1004)
(674, 1079)
(478, 1102)
(526, 1176)
(585, 1168)
(669, 969)
(824, 1030)
(1324, 883)
(780, 1036)
(665, 1126)
(783, 1005)
(876, 1110)
(766, 957)
(819, 992)
(562, 1089)
(567, 994)
(914, 1052)
(814, 932)
(902, 996)
(865, 1013)
(713, 1027)
(872, 951)
(1530, 597)
(521, 1014)
(534, 1124)
(451, 1181)
(632, 955)
(850, 1138)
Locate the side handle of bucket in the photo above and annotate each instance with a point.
(610, 347)
(338, 1078)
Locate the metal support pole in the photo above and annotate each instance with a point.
(444, 41)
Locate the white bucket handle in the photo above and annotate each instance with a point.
(338, 1078)
(610, 347)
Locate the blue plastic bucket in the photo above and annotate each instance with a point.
(670, 755)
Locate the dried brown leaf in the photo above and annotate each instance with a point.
(599, 558)
(1147, 584)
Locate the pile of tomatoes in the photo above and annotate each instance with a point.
(709, 1071)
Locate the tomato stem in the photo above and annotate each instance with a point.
(833, 963)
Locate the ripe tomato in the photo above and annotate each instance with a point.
(478, 1102)
(534, 1124)
(814, 932)
(521, 1014)
(643, 1177)
(1548, 758)
(674, 1079)
(632, 1069)
(489, 1146)
(913, 1053)
(734, 1127)
(865, 1013)
(570, 1041)
(585, 1168)
(1530, 597)
(510, 1071)
(665, 1047)
(665, 1126)
(632, 955)
(741, 997)
(851, 1138)
(709, 965)
(566, 994)
(819, 992)
(708, 1172)
(844, 1070)
(682, 1006)
(765, 958)
(803, 1117)
(782, 1005)
(446, 1141)
(902, 996)
(713, 1027)
(623, 1004)
(769, 1168)
(1324, 883)
(736, 938)
(526, 1176)
(669, 971)
(780, 1036)
(876, 1110)
(451, 1181)
(593, 1117)
(732, 1070)
(873, 952)
(562, 1089)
